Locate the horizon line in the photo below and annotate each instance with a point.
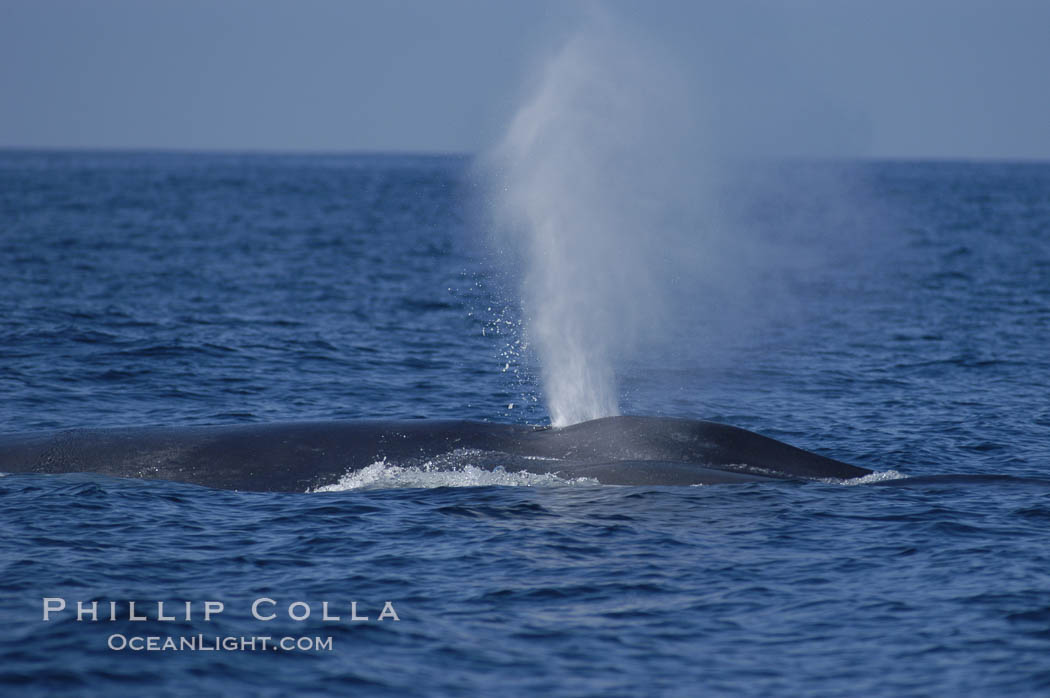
(405, 152)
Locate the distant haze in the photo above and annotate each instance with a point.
(942, 79)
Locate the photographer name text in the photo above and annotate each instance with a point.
(263, 609)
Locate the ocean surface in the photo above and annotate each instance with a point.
(907, 331)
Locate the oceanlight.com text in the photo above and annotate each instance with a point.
(217, 643)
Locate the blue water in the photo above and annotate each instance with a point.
(908, 335)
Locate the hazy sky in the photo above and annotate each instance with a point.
(918, 78)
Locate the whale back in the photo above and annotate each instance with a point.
(296, 457)
(631, 438)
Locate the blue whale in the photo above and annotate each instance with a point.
(300, 456)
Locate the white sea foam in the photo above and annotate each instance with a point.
(384, 475)
(882, 476)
